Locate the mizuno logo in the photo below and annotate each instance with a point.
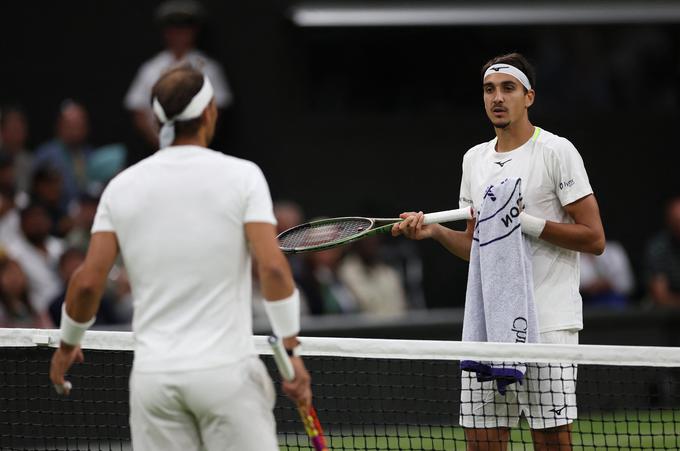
(558, 411)
(502, 163)
(498, 68)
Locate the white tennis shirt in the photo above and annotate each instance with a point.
(179, 219)
(553, 175)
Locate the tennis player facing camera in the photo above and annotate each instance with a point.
(560, 219)
(186, 221)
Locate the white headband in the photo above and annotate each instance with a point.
(503, 68)
(193, 110)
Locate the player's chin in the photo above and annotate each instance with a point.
(500, 123)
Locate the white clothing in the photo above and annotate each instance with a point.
(223, 408)
(547, 398)
(179, 218)
(44, 283)
(138, 96)
(613, 265)
(553, 175)
(378, 288)
(10, 227)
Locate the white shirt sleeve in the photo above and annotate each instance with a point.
(259, 206)
(465, 194)
(102, 219)
(569, 173)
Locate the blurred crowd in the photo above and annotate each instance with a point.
(49, 196)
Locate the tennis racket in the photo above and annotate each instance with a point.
(334, 232)
(307, 413)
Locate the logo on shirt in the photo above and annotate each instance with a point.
(558, 411)
(568, 184)
(519, 327)
(489, 193)
(502, 163)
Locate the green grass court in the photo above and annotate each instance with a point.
(625, 430)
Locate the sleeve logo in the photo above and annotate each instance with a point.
(568, 184)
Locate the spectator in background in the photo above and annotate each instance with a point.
(107, 314)
(13, 144)
(662, 260)
(47, 190)
(320, 282)
(607, 280)
(15, 308)
(83, 218)
(68, 153)
(38, 253)
(377, 287)
(180, 22)
(10, 229)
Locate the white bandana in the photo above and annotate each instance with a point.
(193, 110)
(502, 68)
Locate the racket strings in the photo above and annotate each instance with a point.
(323, 233)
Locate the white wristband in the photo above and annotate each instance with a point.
(531, 225)
(284, 315)
(72, 331)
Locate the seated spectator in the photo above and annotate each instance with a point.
(10, 229)
(321, 285)
(47, 190)
(15, 308)
(662, 260)
(69, 151)
(82, 220)
(13, 145)
(378, 287)
(108, 312)
(38, 253)
(607, 280)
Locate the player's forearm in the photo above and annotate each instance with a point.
(576, 237)
(276, 279)
(456, 242)
(83, 296)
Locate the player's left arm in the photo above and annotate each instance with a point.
(585, 235)
(83, 296)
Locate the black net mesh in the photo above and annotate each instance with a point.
(363, 404)
(311, 235)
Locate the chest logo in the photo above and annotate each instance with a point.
(502, 163)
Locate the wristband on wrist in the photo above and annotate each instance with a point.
(531, 225)
(296, 351)
(71, 330)
(284, 315)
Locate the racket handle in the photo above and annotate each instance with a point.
(281, 358)
(448, 215)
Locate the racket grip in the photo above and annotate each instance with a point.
(448, 215)
(281, 358)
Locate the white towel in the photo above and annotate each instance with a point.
(499, 302)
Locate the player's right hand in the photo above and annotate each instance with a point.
(412, 226)
(300, 388)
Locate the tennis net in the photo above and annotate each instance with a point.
(369, 394)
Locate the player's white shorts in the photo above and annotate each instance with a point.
(224, 408)
(547, 398)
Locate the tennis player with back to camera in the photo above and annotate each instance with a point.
(186, 220)
(561, 218)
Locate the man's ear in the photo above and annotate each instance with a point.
(529, 98)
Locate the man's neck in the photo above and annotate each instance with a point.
(513, 136)
(198, 140)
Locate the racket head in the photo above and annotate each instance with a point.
(325, 234)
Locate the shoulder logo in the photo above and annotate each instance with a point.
(502, 163)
